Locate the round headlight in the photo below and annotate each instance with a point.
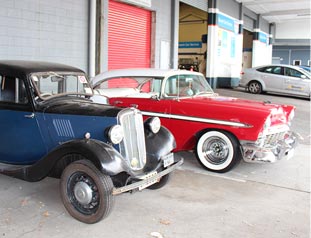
(116, 134)
(155, 124)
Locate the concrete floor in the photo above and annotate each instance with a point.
(252, 200)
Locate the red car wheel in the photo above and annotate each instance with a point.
(217, 151)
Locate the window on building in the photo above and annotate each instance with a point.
(296, 62)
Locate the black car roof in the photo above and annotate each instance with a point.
(22, 68)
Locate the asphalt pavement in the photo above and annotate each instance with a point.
(252, 200)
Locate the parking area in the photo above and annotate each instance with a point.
(252, 200)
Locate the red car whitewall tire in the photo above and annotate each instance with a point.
(217, 151)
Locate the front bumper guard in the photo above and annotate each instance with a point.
(283, 149)
(148, 180)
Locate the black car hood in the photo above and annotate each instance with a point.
(76, 106)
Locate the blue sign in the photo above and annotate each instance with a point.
(190, 44)
(225, 22)
(263, 38)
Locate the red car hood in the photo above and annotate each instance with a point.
(231, 103)
(216, 107)
(236, 109)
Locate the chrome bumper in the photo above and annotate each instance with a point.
(148, 180)
(282, 149)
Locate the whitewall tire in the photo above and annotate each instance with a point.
(217, 151)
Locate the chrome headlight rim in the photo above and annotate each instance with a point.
(154, 124)
(291, 116)
(268, 123)
(116, 134)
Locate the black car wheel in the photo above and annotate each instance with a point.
(254, 87)
(217, 151)
(163, 181)
(86, 192)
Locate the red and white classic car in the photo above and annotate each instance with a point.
(221, 130)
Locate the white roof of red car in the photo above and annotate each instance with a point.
(138, 72)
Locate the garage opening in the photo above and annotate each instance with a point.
(192, 38)
(247, 49)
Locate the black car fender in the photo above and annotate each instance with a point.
(157, 146)
(108, 160)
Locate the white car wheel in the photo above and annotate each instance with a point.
(254, 87)
(217, 151)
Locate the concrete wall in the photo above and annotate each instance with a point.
(292, 41)
(293, 30)
(45, 30)
(162, 31)
(229, 7)
(287, 54)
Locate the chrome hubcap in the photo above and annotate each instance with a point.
(216, 151)
(83, 193)
(254, 88)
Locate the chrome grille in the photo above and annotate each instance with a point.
(133, 146)
(273, 139)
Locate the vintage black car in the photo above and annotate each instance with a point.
(50, 126)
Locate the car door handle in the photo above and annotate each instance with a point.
(32, 115)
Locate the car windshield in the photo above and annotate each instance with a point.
(186, 85)
(53, 84)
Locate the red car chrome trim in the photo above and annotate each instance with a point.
(197, 119)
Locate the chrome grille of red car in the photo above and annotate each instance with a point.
(133, 146)
(272, 139)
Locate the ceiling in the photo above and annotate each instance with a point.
(279, 11)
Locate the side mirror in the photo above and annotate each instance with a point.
(303, 76)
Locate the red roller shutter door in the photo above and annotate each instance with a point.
(129, 36)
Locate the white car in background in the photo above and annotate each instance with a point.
(277, 78)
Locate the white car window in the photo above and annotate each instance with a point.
(273, 70)
(293, 73)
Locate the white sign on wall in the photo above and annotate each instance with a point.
(262, 50)
(225, 48)
(165, 55)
